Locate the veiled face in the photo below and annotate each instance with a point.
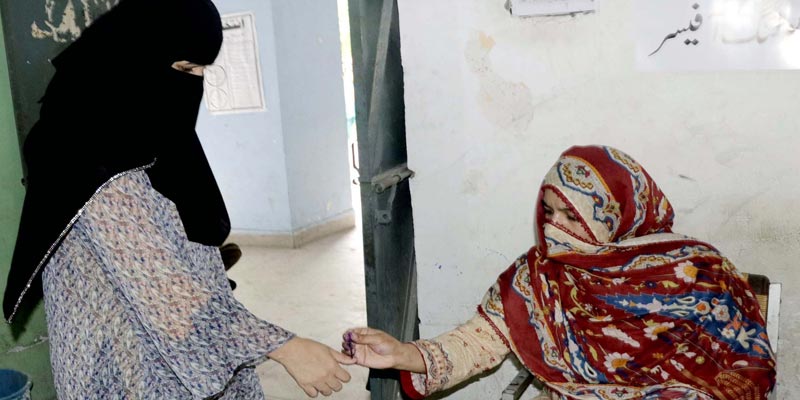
(600, 195)
(558, 212)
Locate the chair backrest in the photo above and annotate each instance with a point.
(760, 285)
(768, 295)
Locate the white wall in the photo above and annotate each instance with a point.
(285, 169)
(492, 100)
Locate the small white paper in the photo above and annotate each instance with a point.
(233, 83)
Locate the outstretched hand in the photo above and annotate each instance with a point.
(314, 366)
(374, 348)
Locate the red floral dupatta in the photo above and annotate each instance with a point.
(637, 312)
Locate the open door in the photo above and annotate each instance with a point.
(389, 260)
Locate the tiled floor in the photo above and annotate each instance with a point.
(316, 291)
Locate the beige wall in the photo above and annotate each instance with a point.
(492, 100)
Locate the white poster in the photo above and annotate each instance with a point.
(233, 82)
(674, 35)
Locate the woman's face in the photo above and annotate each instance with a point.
(559, 213)
(189, 67)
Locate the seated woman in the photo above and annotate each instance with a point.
(609, 303)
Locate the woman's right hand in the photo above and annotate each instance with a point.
(314, 366)
(374, 348)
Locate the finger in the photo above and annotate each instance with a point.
(341, 358)
(310, 390)
(324, 389)
(348, 360)
(367, 338)
(335, 385)
(348, 348)
(363, 331)
(342, 375)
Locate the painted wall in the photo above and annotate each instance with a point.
(286, 168)
(245, 150)
(313, 109)
(492, 100)
(25, 350)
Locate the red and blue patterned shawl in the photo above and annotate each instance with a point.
(638, 311)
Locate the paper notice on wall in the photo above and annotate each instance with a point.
(233, 82)
(674, 35)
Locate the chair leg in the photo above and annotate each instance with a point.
(518, 385)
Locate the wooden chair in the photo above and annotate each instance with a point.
(769, 298)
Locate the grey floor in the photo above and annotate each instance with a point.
(316, 291)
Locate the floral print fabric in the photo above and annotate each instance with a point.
(137, 311)
(637, 311)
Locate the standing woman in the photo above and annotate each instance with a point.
(122, 219)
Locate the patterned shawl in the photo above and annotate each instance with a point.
(636, 312)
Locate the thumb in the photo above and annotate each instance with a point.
(369, 338)
(364, 330)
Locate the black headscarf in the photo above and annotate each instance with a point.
(116, 104)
